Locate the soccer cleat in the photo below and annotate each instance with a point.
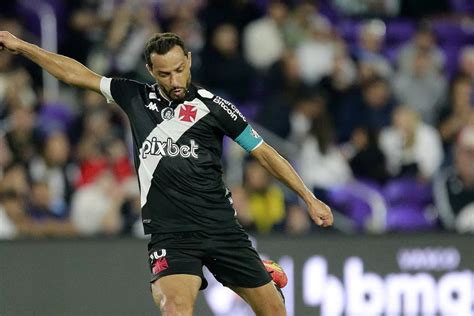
(276, 272)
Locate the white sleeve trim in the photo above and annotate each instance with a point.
(105, 89)
(258, 145)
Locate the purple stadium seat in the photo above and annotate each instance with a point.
(54, 116)
(399, 31)
(451, 54)
(409, 218)
(349, 30)
(449, 32)
(344, 200)
(463, 6)
(391, 52)
(407, 191)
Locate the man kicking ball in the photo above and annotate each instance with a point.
(178, 129)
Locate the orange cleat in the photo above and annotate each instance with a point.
(276, 271)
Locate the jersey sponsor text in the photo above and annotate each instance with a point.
(168, 148)
(229, 108)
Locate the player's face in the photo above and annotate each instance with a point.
(172, 71)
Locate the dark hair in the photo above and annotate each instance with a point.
(161, 43)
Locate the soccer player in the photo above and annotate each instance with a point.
(178, 130)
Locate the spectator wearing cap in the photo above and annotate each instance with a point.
(369, 49)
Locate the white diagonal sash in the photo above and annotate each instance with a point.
(173, 129)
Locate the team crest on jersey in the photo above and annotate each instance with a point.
(167, 114)
(187, 113)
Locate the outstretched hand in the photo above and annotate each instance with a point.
(9, 42)
(320, 212)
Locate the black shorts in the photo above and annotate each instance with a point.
(228, 254)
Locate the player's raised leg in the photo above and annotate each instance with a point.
(176, 294)
(264, 300)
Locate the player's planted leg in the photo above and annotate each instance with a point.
(176, 294)
(264, 300)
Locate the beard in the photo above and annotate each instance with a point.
(178, 93)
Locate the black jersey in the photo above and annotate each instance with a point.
(177, 154)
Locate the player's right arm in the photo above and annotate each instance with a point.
(65, 69)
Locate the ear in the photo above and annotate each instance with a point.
(190, 59)
(149, 70)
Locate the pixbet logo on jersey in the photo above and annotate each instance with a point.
(168, 148)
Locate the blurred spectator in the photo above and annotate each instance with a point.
(27, 211)
(306, 110)
(186, 24)
(320, 43)
(263, 40)
(343, 72)
(22, 136)
(97, 118)
(369, 49)
(13, 80)
(321, 164)
(283, 88)
(366, 159)
(368, 103)
(454, 186)
(352, 92)
(236, 12)
(368, 7)
(456, 112)
(96, 207)
(377, 104)
(86, 27)
(6, 157)
(13, 192)
(53, 168)
(412, 148)
(131, 25)
(224, 69)
(422, 87)
(423, 41)
(107, 188)
(340, 89)
(42, 210)
(466, 62)
(92, 161)
(303, 21)
(297, 221)
(261, 204)
(13, 75)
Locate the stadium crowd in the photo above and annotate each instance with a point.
(372, 102)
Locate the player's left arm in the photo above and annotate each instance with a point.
(234, 125)
(281, 169)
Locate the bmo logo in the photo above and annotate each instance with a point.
(168, 149)
(364, 293)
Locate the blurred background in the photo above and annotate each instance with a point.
(372, 101)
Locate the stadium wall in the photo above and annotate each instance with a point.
(419, 274)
